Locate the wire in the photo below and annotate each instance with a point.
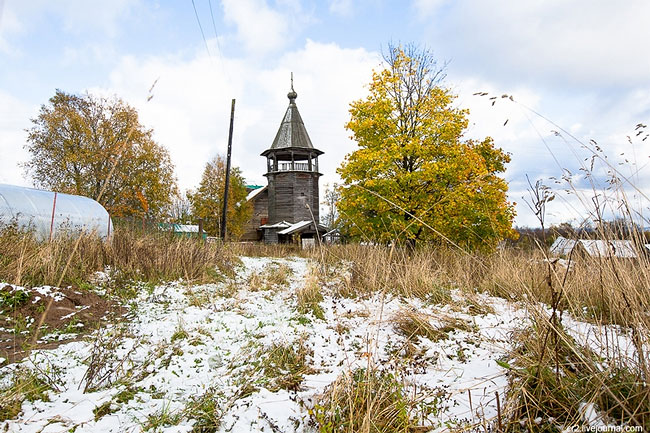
(214, 27)
(207, 48)
(196, 14)
(216, 35)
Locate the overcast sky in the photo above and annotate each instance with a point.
(582, 64)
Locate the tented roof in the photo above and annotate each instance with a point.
(48, 213)
(292, 133)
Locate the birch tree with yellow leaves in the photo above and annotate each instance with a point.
(414, 177)
(207, 201)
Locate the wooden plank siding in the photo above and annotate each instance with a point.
(289, 192)
(259, 217)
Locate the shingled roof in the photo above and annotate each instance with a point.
(292, 133)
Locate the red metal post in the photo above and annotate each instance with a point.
(52, 220)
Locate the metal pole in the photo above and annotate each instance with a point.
(53, 213)
(225, 191)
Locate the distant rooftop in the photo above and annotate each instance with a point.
(254, 193)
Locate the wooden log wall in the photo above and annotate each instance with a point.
(288, 194)
(260, 215)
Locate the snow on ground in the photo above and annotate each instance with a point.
(181, 342)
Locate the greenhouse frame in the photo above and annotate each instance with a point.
(49, 213)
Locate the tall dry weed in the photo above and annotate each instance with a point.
(152, 256)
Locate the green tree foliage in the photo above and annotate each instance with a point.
(207, 201)
(413, 176)
(96, 147)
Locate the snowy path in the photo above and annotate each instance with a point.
(183, 342)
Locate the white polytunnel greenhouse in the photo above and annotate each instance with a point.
(48, 212)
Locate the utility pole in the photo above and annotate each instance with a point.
(225, 191)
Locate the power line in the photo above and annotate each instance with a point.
(216, 35)
(214, 27)
(207, 48)
(196, 14)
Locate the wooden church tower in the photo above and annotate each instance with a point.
(291, 197)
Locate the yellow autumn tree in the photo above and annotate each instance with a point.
(96, 147)
(413, 177)
(207, 200)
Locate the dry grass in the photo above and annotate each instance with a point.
(373, 401)
(553, 377)
(273, 276)
(258, 249)
(136, 256)
(374, 269)
(602, 290)
(413, 324)
(24, 385)
(309, 296)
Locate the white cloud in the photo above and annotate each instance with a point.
(343, 8)
(9, 22)
(190, 105)
(74, 56)
(578, 43)
(190, 110)
(81, 16)
(78, 16)
(579, 63)
(428, 7)
(260, 28)
(9, 25)
(14, 119)
(539, 153)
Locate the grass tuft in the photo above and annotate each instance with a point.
(206, 410)
(372, 400)
(25, 385)
(274, 276)
(165, 417)
(413, 324)
(553, 377)
(309, 296)
(275, 367)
